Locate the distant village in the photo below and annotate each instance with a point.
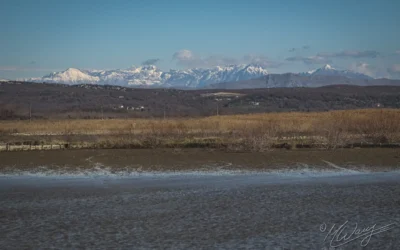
(129, 108)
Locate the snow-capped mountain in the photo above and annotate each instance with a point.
(71, 75)
(4, 80)
(328, 70)
(144, 75)
(199, 78)
(150, 75)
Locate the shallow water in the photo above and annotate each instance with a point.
(196, 210)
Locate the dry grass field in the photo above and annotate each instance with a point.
(250, 132)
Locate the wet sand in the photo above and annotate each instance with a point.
(245, 211)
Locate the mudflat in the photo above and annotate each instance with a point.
(240, 211)
(284, 199)
(374, 159)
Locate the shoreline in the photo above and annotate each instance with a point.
(164, 160)
(21, 146)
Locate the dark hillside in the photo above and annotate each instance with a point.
(95, 101)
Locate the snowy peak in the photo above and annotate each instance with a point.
(325, 70)
(255, 68)
(142, 68)
(328, 70)
(70, 76)
(327, 67)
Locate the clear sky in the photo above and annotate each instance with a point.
(38, 37)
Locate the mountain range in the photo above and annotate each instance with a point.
(151, 76)
(232, 76)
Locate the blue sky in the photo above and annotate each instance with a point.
(38, 37)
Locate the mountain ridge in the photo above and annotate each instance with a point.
(328, 70)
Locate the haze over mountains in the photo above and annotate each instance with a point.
(232, 76)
